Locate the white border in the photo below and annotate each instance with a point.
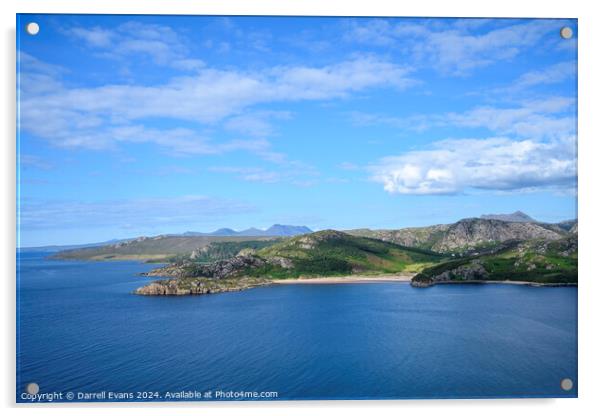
(590, 210)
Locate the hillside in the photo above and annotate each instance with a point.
(334, 252)
(537, 261)
(324, 253)
(160, 248)
(466, 235)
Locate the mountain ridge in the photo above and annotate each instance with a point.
(468, 234)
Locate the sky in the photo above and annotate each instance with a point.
(147, 125)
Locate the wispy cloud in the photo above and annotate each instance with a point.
(255, 123)
(552, 74)
(162, 44)
(130, 213)
(33, 161)
(348, 166)
(550, 117)
(249, 174)
(452, 48)
(459, 165)
(293, 172)
(533, 119)
(102, 117)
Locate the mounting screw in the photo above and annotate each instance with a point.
(566, 384)
(566, 32)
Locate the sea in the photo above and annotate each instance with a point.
(82, 335)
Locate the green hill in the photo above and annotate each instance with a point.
(333, 252)
(323, 253)
(537, 261)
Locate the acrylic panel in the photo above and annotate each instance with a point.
(295, 208)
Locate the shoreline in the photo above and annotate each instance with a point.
(406, 279)
(345, 279)
(171, 286)
(495, 282)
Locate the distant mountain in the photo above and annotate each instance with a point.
(276, 230)
(159, 248)
(167, 246)
(517, 216)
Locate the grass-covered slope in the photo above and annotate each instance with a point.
(324, 253)
(332, 252)
(537, 261)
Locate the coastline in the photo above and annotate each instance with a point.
(405, 279)
(494, 282)
(202, 286)
(345, 279)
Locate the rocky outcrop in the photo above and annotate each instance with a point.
(281, 262)
(474, 232)
(422, 237)
(173, 270)
(466, 234)
(228, 268)
(472, 271)
(221, 269)
(198, 286)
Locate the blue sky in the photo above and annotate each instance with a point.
(144, 125)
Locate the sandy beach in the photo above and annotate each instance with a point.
(406, 278)
(399, 279)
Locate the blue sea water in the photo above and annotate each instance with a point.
(80, 329)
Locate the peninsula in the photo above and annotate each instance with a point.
(511, 248)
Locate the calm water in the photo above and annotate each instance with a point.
(81, 330)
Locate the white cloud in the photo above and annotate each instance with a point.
(456, 166)
(101, 117)
(215, 94)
